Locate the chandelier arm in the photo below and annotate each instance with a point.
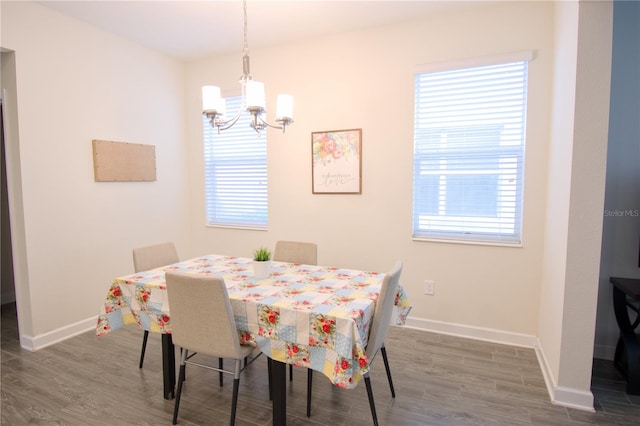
(230, 122)
(269, 124)
(283, 123)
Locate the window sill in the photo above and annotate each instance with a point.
(239, 227)
(467, 242)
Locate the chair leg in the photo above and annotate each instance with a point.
(372, 404)
(290, 373)
(144, 346)
(234, 401)
(180, 382)
(309, 387)
(386, 366)
(220, 367)
(185, 373)
(236, 386)
(270, 385)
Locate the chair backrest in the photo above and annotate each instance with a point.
(149, 257)
(201, 315)
(296, 252)
(384, 310)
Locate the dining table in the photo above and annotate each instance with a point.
(312, 316)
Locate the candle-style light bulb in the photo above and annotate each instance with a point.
(284, 107)
(255, 94)
(211, 99)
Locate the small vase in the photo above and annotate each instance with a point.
(261, 268)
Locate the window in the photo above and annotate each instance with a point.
(469, 138)
(235, 173)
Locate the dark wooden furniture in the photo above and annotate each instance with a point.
(626, 298)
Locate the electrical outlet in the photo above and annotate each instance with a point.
(429, 287)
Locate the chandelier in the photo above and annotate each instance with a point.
(253, 99)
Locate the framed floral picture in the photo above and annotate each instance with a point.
(336, 162)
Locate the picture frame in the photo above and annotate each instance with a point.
(336, 162)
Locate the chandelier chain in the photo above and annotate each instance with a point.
(245, 50)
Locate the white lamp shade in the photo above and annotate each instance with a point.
(285, 106)
(255, 94)
(211, 99)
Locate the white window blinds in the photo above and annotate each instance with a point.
(235, 173)
(469, 139)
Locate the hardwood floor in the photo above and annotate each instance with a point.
(439, 380)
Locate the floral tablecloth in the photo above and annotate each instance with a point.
(311, 316)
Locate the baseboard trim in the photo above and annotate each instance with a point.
(573, 398)
(477, 333)
(52, 337)
(560, 395)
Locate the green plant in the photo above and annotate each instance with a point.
(262, 254)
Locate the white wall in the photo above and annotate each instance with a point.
(76, 83)
(575, 198)
(559, 191)
(364, 80)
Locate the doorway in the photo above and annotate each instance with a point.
(9, 316)
(7, 293)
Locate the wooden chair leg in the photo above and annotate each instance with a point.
(144, 347)
(386, 366)
(309, 387)
(372, 404)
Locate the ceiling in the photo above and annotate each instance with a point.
(191, 30)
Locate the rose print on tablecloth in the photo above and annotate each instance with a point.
(268, 321)
(323, 330)
(142, 296)
(247, 338)
(297, 355)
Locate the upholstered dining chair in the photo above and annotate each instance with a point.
(377, 333)
(296, 252)
(150, 257)
(202, 323)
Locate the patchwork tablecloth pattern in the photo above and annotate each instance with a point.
(312, 316)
